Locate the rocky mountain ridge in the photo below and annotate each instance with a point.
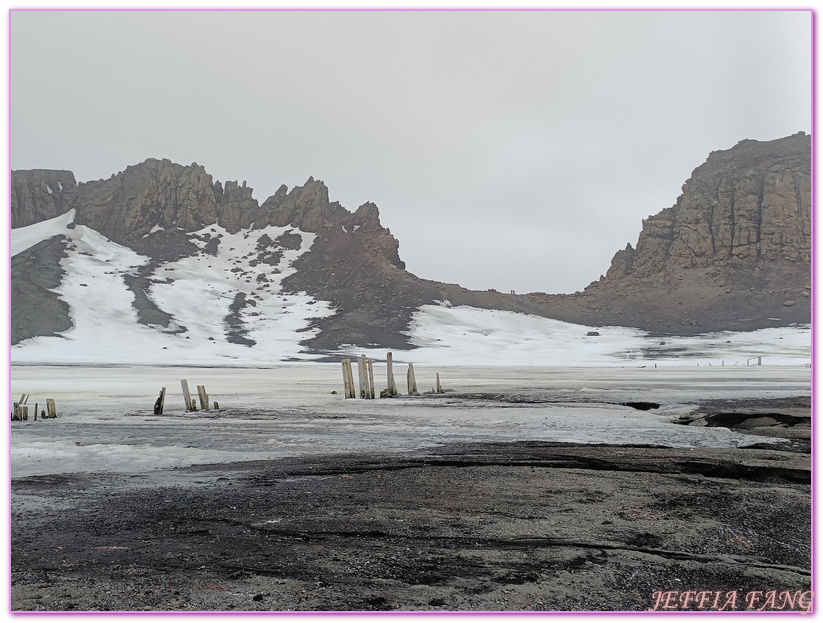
(733, 252)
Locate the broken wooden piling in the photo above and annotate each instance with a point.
(371, 379)
(438, 388)
(411, 382)
(348, 379)
(159, 403)
(51, 408)
(391, 389)
(362, 377)
(186, 395)
(204, 397)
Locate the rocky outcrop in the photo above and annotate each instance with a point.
(236, 208)
(354, 264)
(156, 194)
(306, 207)
(40, 194)
(744, 205)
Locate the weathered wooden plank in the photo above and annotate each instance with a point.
(411, 382)
(371, 379)
(204, 397)
(186, 395)
(391, 385)
(348, 379)
(362, 376)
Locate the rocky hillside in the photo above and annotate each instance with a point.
(733, 252)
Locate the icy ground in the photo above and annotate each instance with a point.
(198, 291)
(106, 422)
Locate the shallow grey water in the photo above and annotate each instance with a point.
(106, 421)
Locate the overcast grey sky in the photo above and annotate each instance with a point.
(505, 149)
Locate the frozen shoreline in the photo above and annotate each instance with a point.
(106, 421)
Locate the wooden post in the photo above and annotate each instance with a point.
(345, 379)
(25, 412)
(186, 395)
(411, 383)
(371, 380)
(204, 397)
(162, 399)
(348, 379)
(158, 404)
(51, 407)
(392, 386)
(367, 379)
(35, 411)
(15, 414)
(362, 376)
(438, 389)
(352, 392)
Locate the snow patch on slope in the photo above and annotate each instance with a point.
(201, 289)
(470, 336)
(197, 291)
(23, 238)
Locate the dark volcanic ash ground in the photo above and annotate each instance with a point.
(461, 527)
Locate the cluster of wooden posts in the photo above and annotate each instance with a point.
(191, 403)
(20, 410)
(365, 374)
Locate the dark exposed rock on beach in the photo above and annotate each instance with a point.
(465, 526)
(500, 527)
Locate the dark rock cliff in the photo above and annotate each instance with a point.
(39, 195)
(733, 253)
(747, 204)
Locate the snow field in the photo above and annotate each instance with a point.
(199, 290)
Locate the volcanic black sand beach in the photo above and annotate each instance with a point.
(467, 527)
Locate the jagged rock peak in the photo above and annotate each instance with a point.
(158, 193)
(743, 205)
(154, 193)
(308, 208)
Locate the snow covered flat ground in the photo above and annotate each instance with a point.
(105, 373)
(106, 422)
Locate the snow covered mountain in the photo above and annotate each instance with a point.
(160, 263)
